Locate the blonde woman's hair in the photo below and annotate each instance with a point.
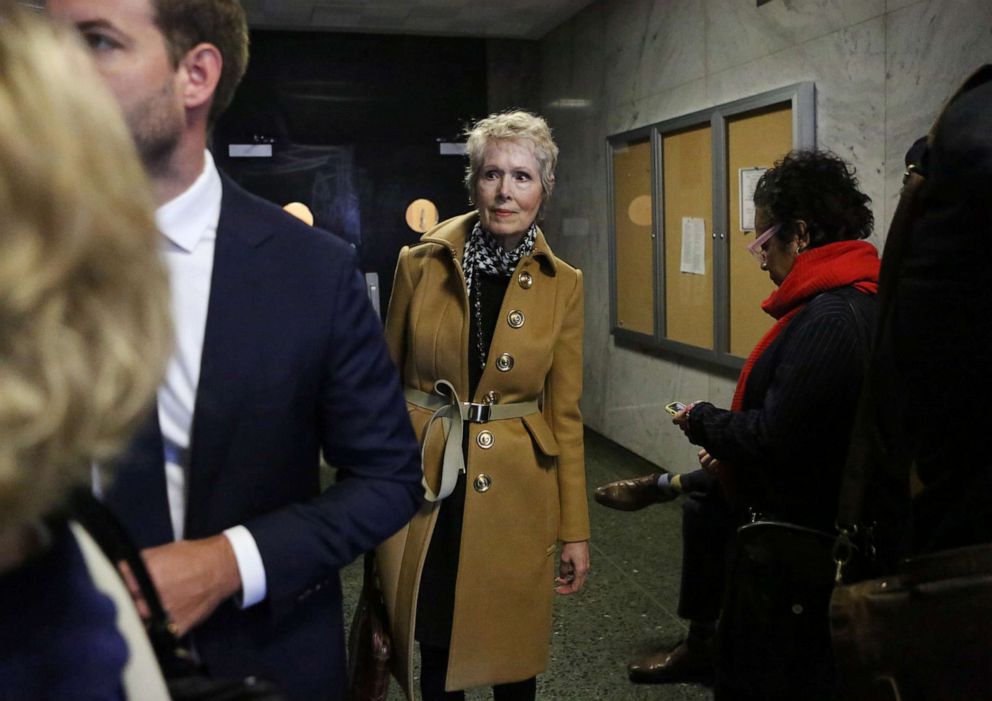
(511, 126)
(84, 298)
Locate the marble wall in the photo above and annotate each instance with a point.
(882, 68)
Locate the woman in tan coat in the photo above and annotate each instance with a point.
(485, 324)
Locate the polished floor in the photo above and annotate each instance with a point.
(628, 605)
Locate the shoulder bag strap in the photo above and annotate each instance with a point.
(108, 533)
(142, 677)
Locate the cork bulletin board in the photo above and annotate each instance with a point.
(633, 219)
(754, 140)
(682, 215)
(688, 194)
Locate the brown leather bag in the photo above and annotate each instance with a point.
(922, 634)
(369, 644)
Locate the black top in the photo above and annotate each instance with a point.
(934, 364)
(435, 603)
(59, 638)
(789, 443)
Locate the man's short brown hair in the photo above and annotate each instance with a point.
(186, 23)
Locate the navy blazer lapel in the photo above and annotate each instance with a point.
(227, 358)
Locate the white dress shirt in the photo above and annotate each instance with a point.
(189, 227)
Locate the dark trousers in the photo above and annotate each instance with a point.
(434, 667)
(708, 525)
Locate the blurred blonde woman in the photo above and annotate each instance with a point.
(485, 325)
(83, 335)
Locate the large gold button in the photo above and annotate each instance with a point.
(492, 397)
(485, 439)
(482, 483)
(515, 318)
(504, 363)
(526, 280)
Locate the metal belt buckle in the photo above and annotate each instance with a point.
(479, 413)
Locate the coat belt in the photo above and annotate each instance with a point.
(447, 407)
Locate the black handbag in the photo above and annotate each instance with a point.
(186, 679)
(369, 644)
(774, 639)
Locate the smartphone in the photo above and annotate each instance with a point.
(674, 408)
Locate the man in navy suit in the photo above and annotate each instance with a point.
(278, 357)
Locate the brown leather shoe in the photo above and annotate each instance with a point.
(682, 664)
(633, 494)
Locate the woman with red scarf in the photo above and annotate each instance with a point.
(780, 449)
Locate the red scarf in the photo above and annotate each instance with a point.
(841, 264)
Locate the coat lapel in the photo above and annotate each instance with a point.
(541, 265)
(227, 360)
(536, 303)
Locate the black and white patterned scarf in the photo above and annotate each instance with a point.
(484, 254)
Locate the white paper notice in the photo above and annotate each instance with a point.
(693, 246)
(748, 181)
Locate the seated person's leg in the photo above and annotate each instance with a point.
(707, 526)
(637, 492)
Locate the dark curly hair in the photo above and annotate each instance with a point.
(819, 188)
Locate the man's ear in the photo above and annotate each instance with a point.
(202, 65)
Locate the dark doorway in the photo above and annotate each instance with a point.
(355, 122)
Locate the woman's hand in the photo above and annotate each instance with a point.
(681, 419)
(709, 463)
(573, 568)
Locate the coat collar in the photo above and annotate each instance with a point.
(228, 358)
(238, 216)
(453, 233)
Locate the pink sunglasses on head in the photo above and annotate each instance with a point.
(754, 248)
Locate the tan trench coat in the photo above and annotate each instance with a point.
(504, 589)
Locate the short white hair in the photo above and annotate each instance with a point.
(516, 125)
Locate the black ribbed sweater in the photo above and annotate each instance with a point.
(788, 444)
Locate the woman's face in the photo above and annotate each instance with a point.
(777, 257)
(508, 192)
